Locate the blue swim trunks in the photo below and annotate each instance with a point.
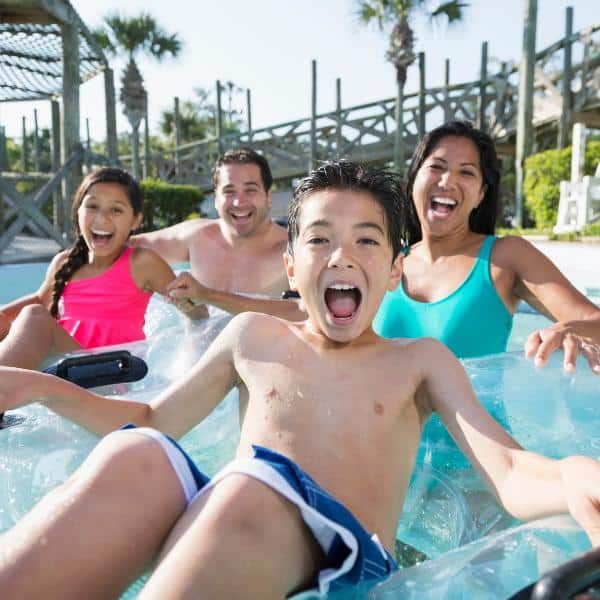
(353, 555)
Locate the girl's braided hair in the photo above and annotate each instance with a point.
(78, 253)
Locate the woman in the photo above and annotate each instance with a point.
(462, 285)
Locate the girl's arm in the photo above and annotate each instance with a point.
(150, 272)
(10, 311)
(527, 484)
(577, 327)
(179, 408)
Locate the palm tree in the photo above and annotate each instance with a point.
(135, 35)
(401, 51)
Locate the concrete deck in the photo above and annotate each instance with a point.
(29, 249)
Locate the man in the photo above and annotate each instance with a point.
(242, 250)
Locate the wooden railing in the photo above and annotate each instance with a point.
(365, 132)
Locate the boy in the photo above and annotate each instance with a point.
(324, 397)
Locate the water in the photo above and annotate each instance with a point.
(475, 549)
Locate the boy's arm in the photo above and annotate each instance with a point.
(185, 288)
(527, 484)
(175, 411)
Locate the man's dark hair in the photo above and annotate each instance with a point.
(385, 188)
(244, 156)
(483, 218)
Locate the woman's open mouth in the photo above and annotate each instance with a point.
(441, 206)
(342, 301)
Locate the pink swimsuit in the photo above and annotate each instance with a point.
(106, 309)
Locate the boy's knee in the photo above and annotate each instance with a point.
(248, 505)
(128, 457)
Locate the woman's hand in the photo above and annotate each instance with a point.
(540, 345)
(581, 480)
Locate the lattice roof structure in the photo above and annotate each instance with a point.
(31, 49)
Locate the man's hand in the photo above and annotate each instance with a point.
(540, 345)
(188, 295)
(581, 480)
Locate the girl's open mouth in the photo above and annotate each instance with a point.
(342, 300)
(99, 238)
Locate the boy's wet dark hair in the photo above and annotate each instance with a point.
(385, 188)
(244, 156)
(78, 253)
(483, 218)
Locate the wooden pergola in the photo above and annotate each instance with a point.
(46, 52)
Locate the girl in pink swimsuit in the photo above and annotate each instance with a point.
(96, 292)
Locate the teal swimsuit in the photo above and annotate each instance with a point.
(471, 321)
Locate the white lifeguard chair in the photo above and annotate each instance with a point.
(579, 202)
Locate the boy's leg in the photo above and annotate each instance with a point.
(241, 540)
(32, 336)
(94, 534)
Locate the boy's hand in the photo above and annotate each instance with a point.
(581, 480)
(540, 345)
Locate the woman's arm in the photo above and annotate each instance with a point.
(527, 484)
(538, 281)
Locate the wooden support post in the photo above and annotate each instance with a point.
(447, 111)
(399, 132)
(25, 146)
(177, 130)
(481, 121)
(249, 114)
(313, 116)
(219, 120)
(146, 166)
(525, 106)
(338, 113)
(70, 118)
(36, 143)
(88, 144)
(422, 119)
(135, 147)
(3, 150)
(112, 148)
(567, 104)
(55, 158)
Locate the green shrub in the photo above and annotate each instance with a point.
(544, 172)
(166, 204)
(593, 229)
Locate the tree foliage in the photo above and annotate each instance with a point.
(398, 14)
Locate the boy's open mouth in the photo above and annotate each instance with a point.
(442, 206)
(342, 300)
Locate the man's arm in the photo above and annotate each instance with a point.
(527, 484)
(171, 243)
(185, 288)
(179, 408)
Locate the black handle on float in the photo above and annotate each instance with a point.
(123, 357)
(568, 579)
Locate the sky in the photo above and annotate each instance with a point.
(267, 46)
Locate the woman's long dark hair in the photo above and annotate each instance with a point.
(78, 253)
(483, 218)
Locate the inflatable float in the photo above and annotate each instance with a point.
(453, 538)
